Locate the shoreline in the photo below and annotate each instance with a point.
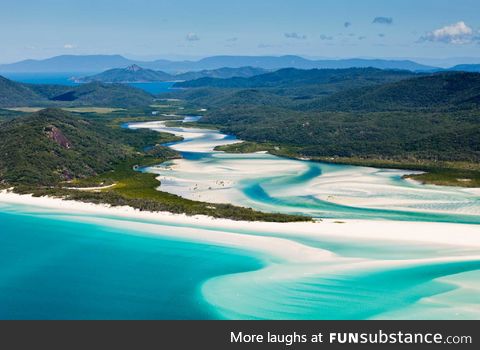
(413, 170)
(450, 234)
(189, 179)
(290, 256)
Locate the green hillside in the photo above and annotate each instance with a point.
(429, 117)
(445, 91)
(293, 86)
(291, 77)
(130, 74)
(14, 94)
(222, 73)
(53, 145)
(427, 122)
(104, 95)
(52, 152)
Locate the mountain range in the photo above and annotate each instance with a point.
(296, 78)
(135, 73)
(466, 68)
(100, 63)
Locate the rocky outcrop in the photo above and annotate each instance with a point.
(56, 135)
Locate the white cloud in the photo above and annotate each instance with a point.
(457, 34)
(294, 35)
(68, 46)
(192, 37)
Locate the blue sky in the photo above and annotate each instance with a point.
(191, 28)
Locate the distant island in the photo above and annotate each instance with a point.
(137, 74)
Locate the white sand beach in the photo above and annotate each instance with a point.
(307, 265)
(460, 235)
(218, 177)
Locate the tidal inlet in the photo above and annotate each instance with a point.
(378, 245)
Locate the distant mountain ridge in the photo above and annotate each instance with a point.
(445, 91)
(135, 73)
(100, 63)
(292, 77)
(222, 73)
(473, 68)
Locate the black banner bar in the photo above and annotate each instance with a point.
(141, 335)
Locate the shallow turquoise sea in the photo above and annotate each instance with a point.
(61, 269)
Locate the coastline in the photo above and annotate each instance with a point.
(452, 234)
(302, 259)
(224, 177)
(455, 174)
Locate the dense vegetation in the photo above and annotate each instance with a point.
(14, 94)
(439, 92)
(393, 135)
(50, 146)
(221, 73)
(428, 122)
(53, 152)
(138, 190)
(292, 78)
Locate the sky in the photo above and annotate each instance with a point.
(181, 29)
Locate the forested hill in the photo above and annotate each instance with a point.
(221, 73)
(130, 74)
(293, 78)
(52, 145)
(56, 153)
(443, 91)
(426, 118)
(14, 94)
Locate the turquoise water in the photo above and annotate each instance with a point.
(344, 295)
(384, 279)
(316, 189)
(255, 190)
(65, 79)
(57, 269)
(59, 265)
